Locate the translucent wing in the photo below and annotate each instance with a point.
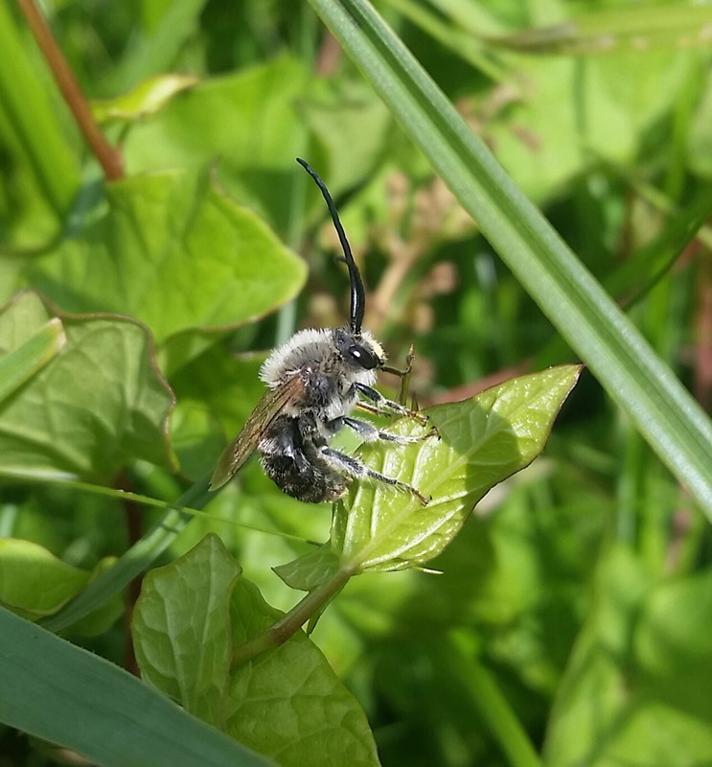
(241, 448)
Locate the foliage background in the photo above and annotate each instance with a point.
(583, 585)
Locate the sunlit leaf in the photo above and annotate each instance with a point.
(286, 703)
(483, 441)
(247, 123)
(176, 253)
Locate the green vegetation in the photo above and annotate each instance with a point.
(526, 186)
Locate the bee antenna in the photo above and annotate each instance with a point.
(358, 295)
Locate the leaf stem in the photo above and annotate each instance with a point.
(108, 156)
(287, 626)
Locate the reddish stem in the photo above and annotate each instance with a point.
(108, 156)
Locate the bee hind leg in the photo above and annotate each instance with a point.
(354, 468)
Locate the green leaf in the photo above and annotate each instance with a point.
(181, 628)
(286, 703)
(310, 570)
(61, 693)
(162, 237)
(20, 364)
(91, 409)
(147, 98)
(483, 441)
(639, 673)
(33, 582)
(254, 133)
(616, 352)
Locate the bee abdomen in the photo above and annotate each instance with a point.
(293, 465)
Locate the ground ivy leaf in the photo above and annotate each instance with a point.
(288, 703)
(96, 405)
(161, 237)
(33, 582)
(484, 440)
(310, 570)
(249, 120)
(181, 628)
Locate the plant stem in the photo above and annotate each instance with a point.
(492, 705)
(287, 626)
(108, 156)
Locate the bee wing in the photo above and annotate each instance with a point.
(267, 409)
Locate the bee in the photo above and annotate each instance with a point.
(314, 382)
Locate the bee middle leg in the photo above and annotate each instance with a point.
(370, 433)
(385, 406)
(351, 466)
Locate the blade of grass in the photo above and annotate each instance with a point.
(647, 390)
(22, 363)
(34, 123)
(44, 478)
(66, 695)
(135, 560)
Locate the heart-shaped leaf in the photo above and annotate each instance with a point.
(175, 252)
(483, 441)
(286, 703)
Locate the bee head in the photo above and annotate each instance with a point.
(359, 350)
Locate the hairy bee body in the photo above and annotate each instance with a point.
(314, 382)
(291, 449)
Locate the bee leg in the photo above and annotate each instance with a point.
(370, 433)
(388, 406)
(354, 468)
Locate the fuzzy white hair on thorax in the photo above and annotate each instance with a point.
(302, 347)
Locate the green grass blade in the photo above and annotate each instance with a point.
(616, 352)
(134, 561)
(66, 695)
(31, 115)
(22, 363)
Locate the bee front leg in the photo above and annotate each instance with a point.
(386, 406)
(352, 467)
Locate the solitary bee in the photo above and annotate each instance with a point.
(314, 382)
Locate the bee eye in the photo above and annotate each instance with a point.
(364, 357)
